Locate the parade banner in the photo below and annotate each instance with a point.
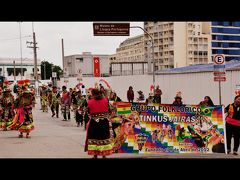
(164, 128)
(96, 66)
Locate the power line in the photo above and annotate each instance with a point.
(14, 38)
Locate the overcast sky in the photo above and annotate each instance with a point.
(78, 37)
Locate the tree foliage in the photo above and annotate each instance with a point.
(47, 69)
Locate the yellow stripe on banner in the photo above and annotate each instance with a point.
(124, 109)
(100, 147)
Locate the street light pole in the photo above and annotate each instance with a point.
(20, 33)
(153, 61)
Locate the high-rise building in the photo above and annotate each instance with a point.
(131, 50)
(177, 44)
(226, 39)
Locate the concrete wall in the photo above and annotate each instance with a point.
(194, 86)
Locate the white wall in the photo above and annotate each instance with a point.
(27, 74)
(193, 86)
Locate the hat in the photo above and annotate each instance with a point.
(6, 86)
(178, 95)
(151, 94)
(140, 92)
(78, 91)
(24, 83)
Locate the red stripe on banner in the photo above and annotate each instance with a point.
(96, 66)
(122, 105)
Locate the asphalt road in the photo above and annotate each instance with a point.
(54, 138)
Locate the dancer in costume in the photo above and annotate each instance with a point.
(44, 99)
(23, 104)
(54, 100)
(65, 103)
(7, 106)
(1, 110)
(99, 141)
(80, 104)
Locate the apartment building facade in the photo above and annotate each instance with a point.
(131, 50)
(226, 39)
(177, 44)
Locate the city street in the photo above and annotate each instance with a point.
(54, 138)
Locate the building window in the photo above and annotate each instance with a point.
(220, 44)
(79, 59)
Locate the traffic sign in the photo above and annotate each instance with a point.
(219, 78)
(219, 59)
(219, 66)
(54, 74)
(219, 73)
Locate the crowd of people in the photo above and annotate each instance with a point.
(91, 109)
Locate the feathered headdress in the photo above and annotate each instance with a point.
(23, 83)
(6, 84)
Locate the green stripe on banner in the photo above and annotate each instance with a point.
(124, 112)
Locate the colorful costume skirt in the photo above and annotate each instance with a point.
(100, 140)
(24, 123)
(1, 123)
(26, 127)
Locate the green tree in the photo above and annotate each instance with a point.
(46, 70)
(58, 70)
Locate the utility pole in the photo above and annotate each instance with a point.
(14, 71)
(153, 61)
(20, 34)
(34, 43)
(45, 70)
(63, 55)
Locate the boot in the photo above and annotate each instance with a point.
(20, 135)
(95, 157)
(27, 135)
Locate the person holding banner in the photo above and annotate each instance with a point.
(206, 102)
(178, 99)
(158, 94)
(233, 125)
(113, 97)
(130, 94)
(99, 140)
